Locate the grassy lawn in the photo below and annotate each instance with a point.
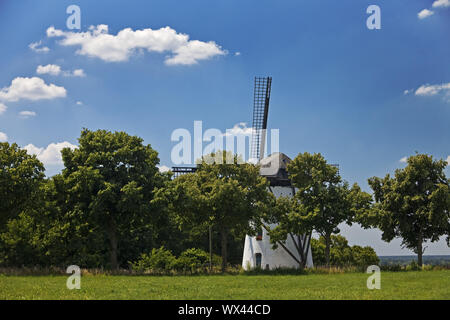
(394, 285)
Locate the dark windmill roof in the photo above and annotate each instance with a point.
(273, 168)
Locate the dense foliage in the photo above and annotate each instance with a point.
(20, 177)
(341, 254)
(413, 205)
(226, 196)
(163, 261)
(321, 202)
(111, 207)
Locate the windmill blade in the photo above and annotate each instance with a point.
(261, 99)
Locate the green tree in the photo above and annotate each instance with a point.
(364, 256)
(413, 205)
(20, 177)
(228, 196)
(321, 202)
(109, 181)
(341, 254)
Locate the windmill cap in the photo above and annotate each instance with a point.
(275, 165)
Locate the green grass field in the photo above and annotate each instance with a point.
(394, 285)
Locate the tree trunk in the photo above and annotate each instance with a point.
(113, 244)
(419, 251)
(224, 234)
(210, 249)
(327, 248)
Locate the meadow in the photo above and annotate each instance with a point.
(394, 285)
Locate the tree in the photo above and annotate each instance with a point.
(321, 202)
(289, 222)
(229, 197)
(341, 254)
(20, 177)
(414, 204)
(109, 181)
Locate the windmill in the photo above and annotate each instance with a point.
(258, 252)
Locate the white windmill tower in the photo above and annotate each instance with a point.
(258, 252)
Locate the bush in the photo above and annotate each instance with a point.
(159, 260)
(364, 257)
(413, 266)
(392, 267)
(194, 259)
(191, 260)
(343, 255)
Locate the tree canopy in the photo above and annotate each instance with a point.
(109, 179)
(321, 202)
(414, 204)
(20, 177)
(229, 197)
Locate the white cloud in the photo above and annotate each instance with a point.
(431, 90)
(2, 108)
(441, 4)
(79, 103)
(55, 70)
(239, 129)
(78, 73)
(163, 168)
(404, 160)
(51, 155)
(31, 89)
(425, 13)
(406, 92)
(237, 53)
(52, 69)
(34, 46)
(3, 137)
(97, 42)
(27, 114)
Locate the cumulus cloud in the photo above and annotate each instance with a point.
(425, 13)
(78, 73)
(27, 114)
(52, 69)
(55, 70)
(97, 42)
(2, 108)
(404, 160)
(31, 89)
(51, 155)
(79, 103)
(432, 90)
(441, 4)
(239, 129)
(3, 137)
(34, 46)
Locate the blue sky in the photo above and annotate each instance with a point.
(363, 98)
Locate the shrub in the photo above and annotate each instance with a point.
(343, 255)
(364, 257)
(413, 266)
(159, 260)
(194, 259)
(392, 267)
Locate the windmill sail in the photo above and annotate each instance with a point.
(261, 100)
